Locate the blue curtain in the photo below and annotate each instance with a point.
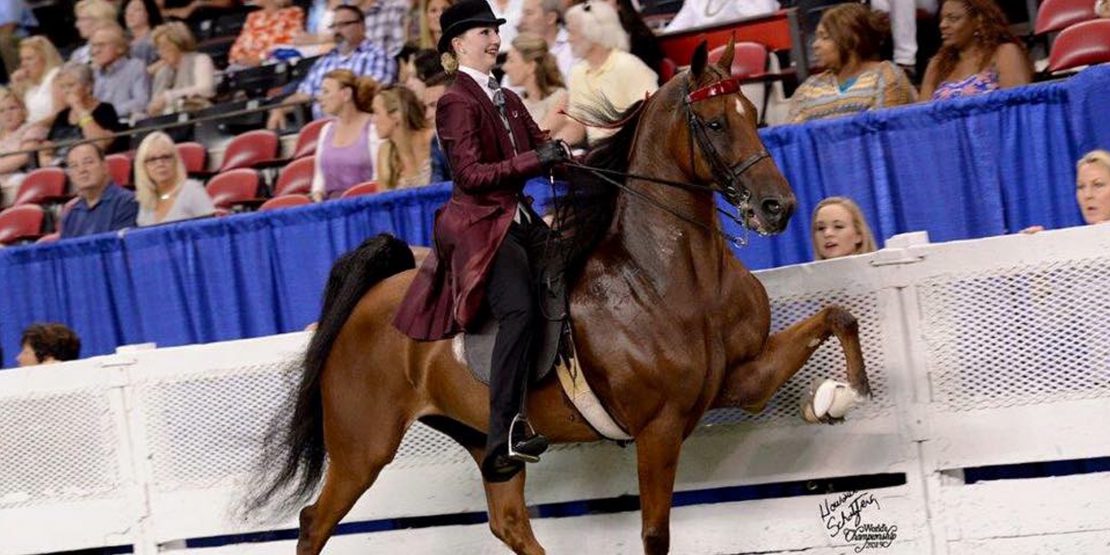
(963, 169)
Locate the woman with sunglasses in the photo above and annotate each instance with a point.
(164, 192)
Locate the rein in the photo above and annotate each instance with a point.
(730, 176)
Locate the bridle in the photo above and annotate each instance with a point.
(732, 178)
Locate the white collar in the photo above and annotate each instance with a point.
(481, 78)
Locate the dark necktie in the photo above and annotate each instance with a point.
(499, 101)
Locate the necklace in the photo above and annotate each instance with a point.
(168, 194)
(709, 12)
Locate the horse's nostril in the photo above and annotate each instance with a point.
(772, 207)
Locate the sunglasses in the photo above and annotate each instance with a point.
(155, 159)
(341, 24)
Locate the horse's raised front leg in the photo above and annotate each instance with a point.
(657, 450)
(751, 385)
(508, 515)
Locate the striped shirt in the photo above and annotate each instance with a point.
(368, 59)
(386, 21)
(823, 96)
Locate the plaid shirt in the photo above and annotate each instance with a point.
(368, 59)
(386, 21)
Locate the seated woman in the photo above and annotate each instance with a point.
(1102, 8)
(531, 68)
(89, 14)
(16, 133)
(978, 53)
(430, 31)
(348, 145)
(1092, 188)
(140, 17)
(84, 116)
(404, 159)
(33, 82)
(848, 42)
(182, 76)
(164, 192)
(839, 229)
(275, 24)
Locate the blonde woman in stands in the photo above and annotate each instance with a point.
(39, 63)
(1092, 189)
(978, 53)
(404, 159)
(349, 144)
(90, 15)
(163, 189)
(275, 24)
(532, 69)
(1102, 8)
(839, 229)
(430, 31)
(183, 77)
(847, 44)
(16, 133)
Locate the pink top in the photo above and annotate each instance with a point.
(983, 82)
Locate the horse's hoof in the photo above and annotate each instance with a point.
(828, 401)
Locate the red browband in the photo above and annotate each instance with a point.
(728, 86)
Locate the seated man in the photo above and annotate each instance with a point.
(353, 51)
(47, 344)
(120, 81)
(101, 205)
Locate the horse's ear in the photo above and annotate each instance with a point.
(725, 63)
(700, 59)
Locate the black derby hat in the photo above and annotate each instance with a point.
(463, 17)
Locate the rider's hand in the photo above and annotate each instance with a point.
(553, 153)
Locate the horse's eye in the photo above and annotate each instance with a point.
(714, 125)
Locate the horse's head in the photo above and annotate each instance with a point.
(722, 146)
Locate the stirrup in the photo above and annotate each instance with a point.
(519, 419)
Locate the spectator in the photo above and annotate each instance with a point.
(545, 19)
(532, 68)
(39, 62)
(83, 118)
(903, 21)
(642, 40)
(510, 11)
(847, 44)
(90, 15)
(348, 145)
(120, 81)
(183, 77)
(321, 14)
(15, 16)
(275, 24)
(978, 53)
(607, 75)
(698, 13)
(430, 31)
(386, 23)
(404, 159)
(406, 69)
(434, 87)
(1092, 188)
(140, 17)
(162, 188)
(839, 229)
(353, 51)
(16, 133)
(101, 205)
(1102, 8)
(47, 344)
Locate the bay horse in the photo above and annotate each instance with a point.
(668, 324)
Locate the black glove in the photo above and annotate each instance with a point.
(553, 153)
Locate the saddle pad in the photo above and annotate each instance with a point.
(477, 349)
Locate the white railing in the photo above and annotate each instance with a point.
(986, 352)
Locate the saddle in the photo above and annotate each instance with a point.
(554, 349)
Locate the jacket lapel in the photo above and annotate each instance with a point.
(479, 94)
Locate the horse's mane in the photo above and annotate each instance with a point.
(584, 211)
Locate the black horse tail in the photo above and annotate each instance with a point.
(295, 442)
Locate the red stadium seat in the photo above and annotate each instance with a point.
(250, 147)
(21, 223)
(368, 188)
(296, 178)
(40, 185)
(749, 59)
(285, 201)
(308, 137)
(233, 187)
(194, 155)
(1057, 15)
(667, 69)
(1082, 44)
(119, 166)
